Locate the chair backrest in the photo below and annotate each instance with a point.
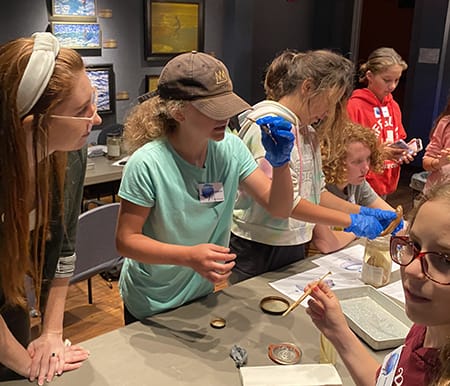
(95, 244)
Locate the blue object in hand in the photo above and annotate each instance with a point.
(277, 139)
(385, 217)
(364, 226)
(399, 227)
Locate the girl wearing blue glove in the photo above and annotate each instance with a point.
(179, 186)
(345, 177)
(302, 88)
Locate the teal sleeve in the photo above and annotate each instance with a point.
(137, 185)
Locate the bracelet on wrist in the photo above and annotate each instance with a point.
(52, 333)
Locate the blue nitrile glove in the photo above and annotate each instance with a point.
(279, 142)
(364, 226)
(385, 217)
(399, 228)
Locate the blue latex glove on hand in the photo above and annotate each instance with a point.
(279, 143)
(399, 228)
(364, 226)
(385, 217)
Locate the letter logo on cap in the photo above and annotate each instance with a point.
(221, 77)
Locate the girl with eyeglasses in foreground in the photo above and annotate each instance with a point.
(47, 110)
(424, 257)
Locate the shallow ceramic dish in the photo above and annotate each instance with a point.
(374, 317)
(275, 305)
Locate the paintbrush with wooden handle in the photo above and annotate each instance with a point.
(304, 296)
(266, 129)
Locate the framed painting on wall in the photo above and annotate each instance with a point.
(173, 27)
(151, 82)
(76, 9)
(78, 35)
(102, 78)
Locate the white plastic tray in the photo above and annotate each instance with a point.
(374, 317)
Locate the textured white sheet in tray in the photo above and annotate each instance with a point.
(374, 317)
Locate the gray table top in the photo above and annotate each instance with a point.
(101, 169)
(180, 347)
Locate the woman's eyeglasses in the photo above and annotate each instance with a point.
(88, 119)
(435, 265)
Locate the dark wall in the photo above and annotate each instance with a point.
(247, 34)
(426, 91)
(23, 17)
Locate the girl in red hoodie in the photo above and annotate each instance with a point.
(374, 107)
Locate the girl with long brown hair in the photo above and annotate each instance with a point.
(47, 108)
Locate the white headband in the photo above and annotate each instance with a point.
(38, 71)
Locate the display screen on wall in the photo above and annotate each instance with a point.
(102, 78)
(76, 9)
(78, 35)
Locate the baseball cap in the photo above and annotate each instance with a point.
(204, 81)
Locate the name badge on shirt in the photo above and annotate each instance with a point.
(385, 111)
(389, 368)
(211, 192)
(376, 112)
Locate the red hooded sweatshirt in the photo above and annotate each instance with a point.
(385, 119)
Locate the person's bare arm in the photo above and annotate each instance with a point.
(12, 354)
(214, 262)
(433, 164)
(326, 313)
(327, 240)
(276, 194)
(330, 200)
(45, 364)
(318, 214)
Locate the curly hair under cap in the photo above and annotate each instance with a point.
(334, 168)
(150, 120)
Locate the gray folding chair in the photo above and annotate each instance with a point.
(95, 244)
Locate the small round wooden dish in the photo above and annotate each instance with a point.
(218, 323)
(285, 353)
(274, 305)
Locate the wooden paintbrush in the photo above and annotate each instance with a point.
(304, 296)
(266, 129)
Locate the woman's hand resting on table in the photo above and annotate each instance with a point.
(50, 357)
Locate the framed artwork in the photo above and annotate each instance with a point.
(102, 78)
(78, 35)
(151, 82)
(77, 9)
(173, 27)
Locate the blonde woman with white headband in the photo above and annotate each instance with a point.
(48, 109)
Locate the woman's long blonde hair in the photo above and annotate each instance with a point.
(19, 180)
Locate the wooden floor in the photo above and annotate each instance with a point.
(83, 321)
